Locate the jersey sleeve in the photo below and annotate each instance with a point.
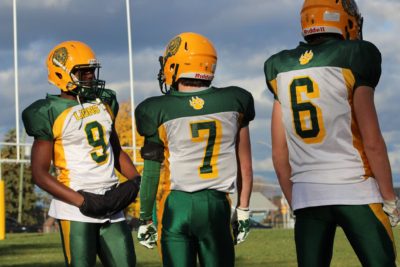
(148, 188)
(109, 97)
(248, 109)
(37, 122)
(270, 76)
(147, 126)
(146, 123)
(366, 63)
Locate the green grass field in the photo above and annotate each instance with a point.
(269, 247)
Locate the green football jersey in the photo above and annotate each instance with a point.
(198, 131)
(315, 85)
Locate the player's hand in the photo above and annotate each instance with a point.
(241, 225)
(113, 201)
(93, 205)
(392, 209)
(147, 234)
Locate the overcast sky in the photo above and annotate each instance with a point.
(244, 32)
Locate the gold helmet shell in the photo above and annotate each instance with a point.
(188, 55)
(331, 16)
(64, 59)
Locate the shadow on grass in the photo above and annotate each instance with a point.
(266, 264)
(148, 264)
(36, 264)
(61, 263)
(14, 249)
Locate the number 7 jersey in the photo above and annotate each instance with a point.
(315, 86)
(198, 131)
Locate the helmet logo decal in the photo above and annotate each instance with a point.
(196, 102)
(173, 47)
(60, 57)
(306, 57)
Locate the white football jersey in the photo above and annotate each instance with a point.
(198, 131)
(315, 86)
(83, 156)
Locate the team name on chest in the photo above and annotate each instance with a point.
(86, 112)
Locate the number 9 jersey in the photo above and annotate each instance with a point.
(82, 153)
(198, 131)
(315, 85)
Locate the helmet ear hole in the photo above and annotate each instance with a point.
(172, 67)
(59, 75)
(351, 24)
(347, 33)
(186, 46)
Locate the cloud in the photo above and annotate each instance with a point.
(37, 4)
(392, 140)
(394, 157)
(264, 165)
(7, 95)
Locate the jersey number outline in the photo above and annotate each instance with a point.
(307, 117)
(208, 131)
(96, 138)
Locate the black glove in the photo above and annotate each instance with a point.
(113, 201)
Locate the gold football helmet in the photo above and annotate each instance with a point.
(331, 16)
(188, 55)
(65, 64)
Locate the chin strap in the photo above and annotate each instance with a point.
(161, 77)
(80, 103)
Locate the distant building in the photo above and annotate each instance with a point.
(397, 190)
(258, 203)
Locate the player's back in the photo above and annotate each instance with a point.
(199, 132)
(314, 85)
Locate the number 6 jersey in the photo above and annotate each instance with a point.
(315, 85)
(198, 131)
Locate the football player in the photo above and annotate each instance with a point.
(201, 134)
(75, 130)
(327, 148)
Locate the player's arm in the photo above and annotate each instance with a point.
(119, 197)
(245, 169)
(375, 150)
(148, 191)
(123, 162)
(374, 144)
(147, 232)
(41, 156)
(241, 216)
(153, 155)
(280, 152)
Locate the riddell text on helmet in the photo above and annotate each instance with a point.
(314, 30)
(203, 76)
